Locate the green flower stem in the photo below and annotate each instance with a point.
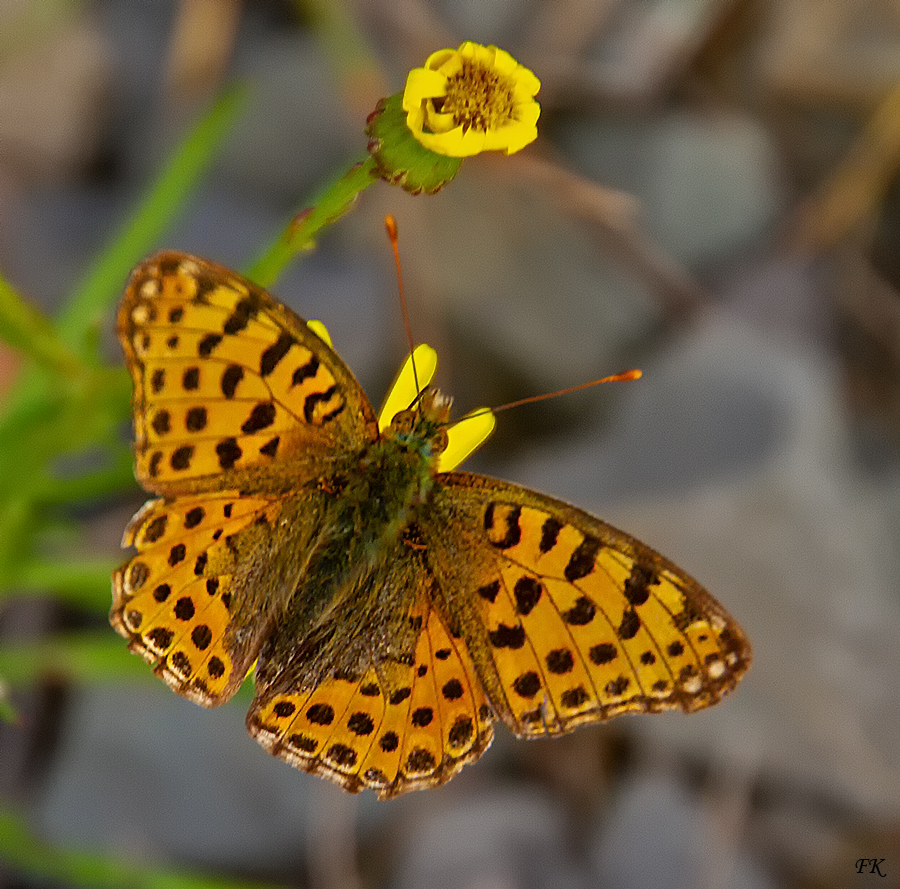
(298, 237)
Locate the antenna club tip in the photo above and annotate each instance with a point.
(391, 225)
(625, 377)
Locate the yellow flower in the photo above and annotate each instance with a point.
(472, 99)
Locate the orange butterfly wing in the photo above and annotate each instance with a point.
(568, 620)
(233, 394)
(385, 669)
(397, 726)
(227, 380)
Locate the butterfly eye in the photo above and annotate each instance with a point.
(404, 392)
(403, 421)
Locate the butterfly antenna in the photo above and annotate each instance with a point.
(391, 225)
(624, 377)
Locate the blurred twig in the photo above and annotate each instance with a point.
(200, 47)
(855, 189)
(614, 215)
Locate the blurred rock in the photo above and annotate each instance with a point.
(146, 774)
(294, 135)
(506, 839)
(502, 279)
(645, 45)
(657, 834)
(706, 184)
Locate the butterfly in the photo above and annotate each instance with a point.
(393, 608)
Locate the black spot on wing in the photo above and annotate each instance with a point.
(271, 357)
(243, 312)
(305, 371)
(582, 561)
(208, 343)
(261, 417)
(637, 586)
(549, 534)
(232, 375)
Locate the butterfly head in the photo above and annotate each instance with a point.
(412, 407)
(424, 426)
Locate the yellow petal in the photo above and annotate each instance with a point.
(451, 66)
(321, 331)
(415, 120)
(513, 137)
(526, 82)
(504, 63)
(403, 391)
(440, 123)
(465, 436)
(478, 53)
(528, 114)
(436, 59)
(422, 84)
(455, 143)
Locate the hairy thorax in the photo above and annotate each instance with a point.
(348, 601)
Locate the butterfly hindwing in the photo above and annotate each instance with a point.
(228, 379)
(175, 600)
(399, 726)
(571, 621)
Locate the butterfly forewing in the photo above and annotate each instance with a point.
(574, 621)
(228, 379)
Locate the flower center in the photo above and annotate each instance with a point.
(478, 98)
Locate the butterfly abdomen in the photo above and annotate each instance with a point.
(356, 575)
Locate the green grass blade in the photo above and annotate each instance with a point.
(24, 328)
(84, 584)
(102, 285)
(83, 657)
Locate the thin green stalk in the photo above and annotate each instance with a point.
(299, 236)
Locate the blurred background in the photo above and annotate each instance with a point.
(714, 198)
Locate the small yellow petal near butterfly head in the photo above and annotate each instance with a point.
(403, 392)
(464, 437)
(321, 331)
